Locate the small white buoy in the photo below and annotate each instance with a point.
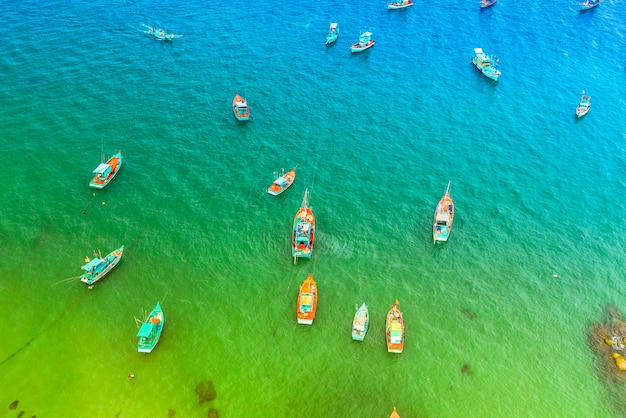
(104, 203)
(556, 276)
(90, 287)
(132, 376)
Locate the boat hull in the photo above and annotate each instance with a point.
(360, 324)
(587, 6)
(485, 3)
(116, 163)
(303, 235)
(360, 48)
(487, 72)
(113, 258)
(240, 108)
(306, 307)
(392, 6)
(151, 329)
(443, 218)
(395, 330)
(282, 183)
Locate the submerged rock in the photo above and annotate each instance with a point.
(607, 340)
(13, 405)
(206, 391)
(21, 414)
(171, 413)
(213, 413)
(466, 368)
(620, 361)
(469, 314)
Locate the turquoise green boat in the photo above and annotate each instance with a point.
(151, 330)
(97, 268)
(360, 323)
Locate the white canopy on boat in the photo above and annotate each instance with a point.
(443, 217)
(102, 168)
(333, 26)
(367, 34)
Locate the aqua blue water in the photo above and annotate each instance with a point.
(376, 137)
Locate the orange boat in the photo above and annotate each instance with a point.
(307, 301)
(282, 182)
(394, 414)
(240, 108)
(395, 329)
(303, 234)
(105, 172)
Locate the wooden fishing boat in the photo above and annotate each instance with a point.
(444, 215)
(303, 234)
(307, 301)
(365, 42)
(333, 33)
(160, 34)
(583, 106)
(486, 64)
(360, 323)
(399, 4)
(589, 4)
(487, 3)
(105, 172)
(394, 414)
(395, 329)
(98, 267)
(282, 182)
(240, 108)
(151, 330)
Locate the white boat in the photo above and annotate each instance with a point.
(399, 4)
(589, 4)
(365, 42)
(486, 64)
(333, 33)
(583, 106)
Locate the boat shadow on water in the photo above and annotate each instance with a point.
(608, 341)
(361, 56)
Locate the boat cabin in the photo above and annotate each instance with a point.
(281, 182)
(103, 171)
(481, 58)
(94, 265)
(443, 218)
(365, 37)
(302, 232)
(395, 333)
(359, 324)
(306, 305)
(148, 329)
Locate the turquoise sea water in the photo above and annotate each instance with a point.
(376, 137)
